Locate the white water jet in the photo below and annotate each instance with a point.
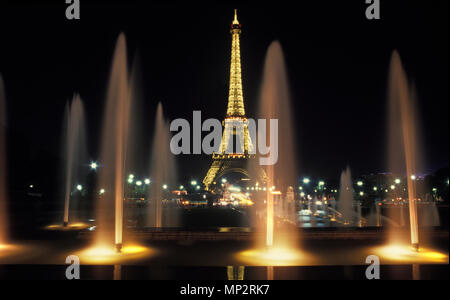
(74, 148)
(345, 200)
(113, 151)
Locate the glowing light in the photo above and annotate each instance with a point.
(360, 183)
(224, 180)
(94, 165)
(300, 188)
(147, 181)
(79, 187)
(164, 186)
(181, 187)
(397, 181)
(361, 193)
(375, 188)
(405, 253)
(321, 183)
(130, 180)
(105, 254)
(413, 177)
(306, 180)
(31, 186)
(193, 182)
(138, 183)
(392, 187)
(102, 191)
(276, 256)
(197, 187)
(302, 194)
(131, 176)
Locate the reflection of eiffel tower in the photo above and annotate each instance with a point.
(232, 159)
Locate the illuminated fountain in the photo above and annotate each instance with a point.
(345, 203)
(404, 151)
(405, 158)
(74, 148)
(280, 244)
(4, 224)
(115, 130)
(114, 146)
(162, 174)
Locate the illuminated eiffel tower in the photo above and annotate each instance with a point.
(230, 159)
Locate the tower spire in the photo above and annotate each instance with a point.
(235, 96)
(235, 21)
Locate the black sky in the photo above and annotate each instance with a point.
(337, 62)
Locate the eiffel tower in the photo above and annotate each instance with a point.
(230, 159)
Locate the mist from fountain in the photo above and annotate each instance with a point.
(345, 200)
(113, 150)
(74, 151)
(4, 222)
(405, 155)
(163, 175)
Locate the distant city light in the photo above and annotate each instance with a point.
(413, 177)
(321, 183)
(397, 181)
(392, 187)
(31, 186)
(138, 183)
(361, 193)
(224, 180)
(181, 187)
(193, 182)
(102, 191)
(131, 176)
(79, 187)
(360, 183)
(300, 188)
(147, 181)
(164, 186)
(306, 180)
(130, 180)
(94, 165)
(302, 194)
(197, 187)
(375, 188)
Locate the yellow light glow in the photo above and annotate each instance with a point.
(71, 226)
(406, 254)
(276, 256)
(107, 254)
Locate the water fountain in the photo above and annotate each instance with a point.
(74, 148)
(404, 145)
(113, 150)
(275, 103)
(345, 200)
(3, 169)
(162, 173)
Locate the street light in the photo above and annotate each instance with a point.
(413, 177)
(147, 181)
(321, 183)
(164, 186)
(360, 183)
(102, 191)
(397, 181)
(138, 183)
(79, 187)
(306, 180)
(93, 165)
(193, 182)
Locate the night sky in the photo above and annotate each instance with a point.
(337, 63)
